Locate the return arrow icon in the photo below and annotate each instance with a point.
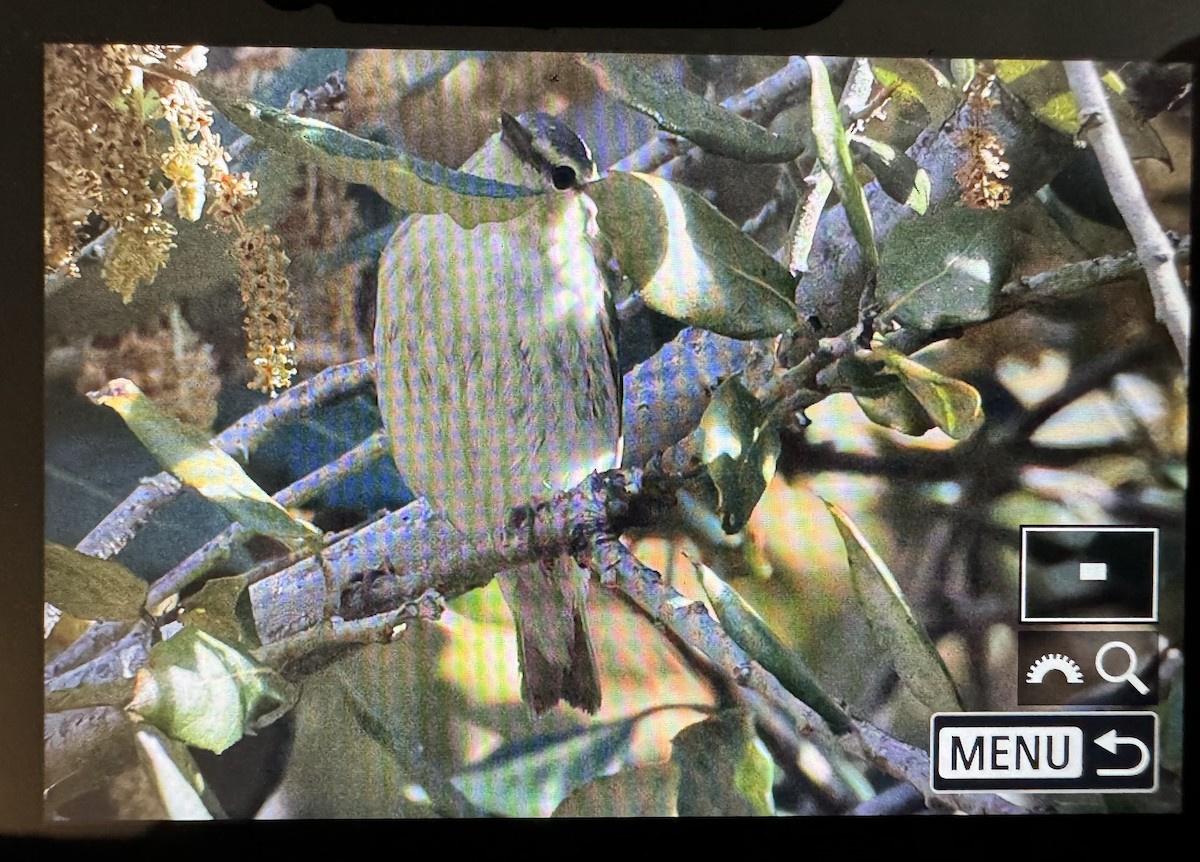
(1110, 741)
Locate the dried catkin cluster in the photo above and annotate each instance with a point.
(99, 160)
(104, 159)
(266, 295)
(982, 177)
(269, 326)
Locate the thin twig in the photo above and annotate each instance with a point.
(196, 565)
(869, 109)
(334, 635)
(294, 403)
(121, 524)
(1157, 257)
(117, 660)
(766, 214)
(690, 621)
(94, 640)
(1078, 278)
(901, 760)
(325, 477)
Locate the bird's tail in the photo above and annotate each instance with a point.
(558, 662)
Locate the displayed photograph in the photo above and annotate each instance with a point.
(480, 433)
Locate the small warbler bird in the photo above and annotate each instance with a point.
(498, 379)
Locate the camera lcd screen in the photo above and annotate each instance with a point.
(482, 432)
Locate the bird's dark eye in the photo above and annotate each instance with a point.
(563, 177)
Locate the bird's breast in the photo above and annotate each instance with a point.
(493, 358)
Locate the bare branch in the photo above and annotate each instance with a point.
(96, 638)
(116, 661)
(897, 799)
(406, 553)
(200, 561)
(1078, 278)
(1154, 250)
(335, 634)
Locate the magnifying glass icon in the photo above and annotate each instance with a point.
(1128, 676)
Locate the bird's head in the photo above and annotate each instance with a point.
(549, 148)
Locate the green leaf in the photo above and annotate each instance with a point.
(953, 404)
(751, 633)
(689, 261)
(682, 112)
(222, 608)
(899, 638)
(205, 693)
(645, 791)
(182, 789)
(1042, 85)
(531, 776)
(91, 588)
(884, 398)
(900, 177)
(944, 269)
(921, 97)
(188, 455)
(724, 769)
(740, 447)
(408, 183)
(1023, 506)
(891, 405)
(833, 149)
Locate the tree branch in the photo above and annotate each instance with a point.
(415, 557)
(690, 622)
(1155, 252)
(411, 551)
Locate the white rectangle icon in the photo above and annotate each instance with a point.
(1010, 752)
(1099, 573)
